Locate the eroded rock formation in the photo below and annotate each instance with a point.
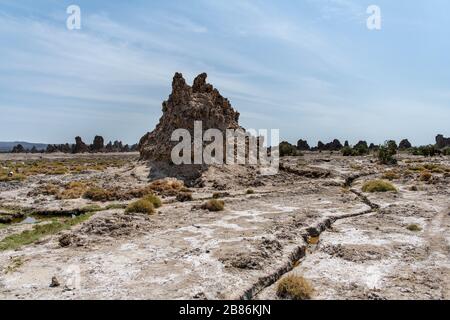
(442, 142)
(186, 104)
(302, 145)
(80, 146)
(335, 145)
(98, 144)
(18, 149)
(404, 144)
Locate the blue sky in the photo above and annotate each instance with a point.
(308, 67)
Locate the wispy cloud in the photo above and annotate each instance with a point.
(281, 64)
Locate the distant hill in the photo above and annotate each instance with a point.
(8, 146)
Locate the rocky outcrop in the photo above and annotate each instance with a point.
(18, 149)
(80, 146)
(302, 145)
(64, 148)
(404, 144)
(98, 144)
(185, 105)
(335, 145)
(442, 142)
(320, 145)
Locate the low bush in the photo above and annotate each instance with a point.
(100, 194)
(347, 151)
(386, 153)
(425, 151)
(140, 206)
(378, 186)
(155, 200)
(295, 288)
(184, 196)
(287, 149)
(214, 205)
(391, 175)
(414, 228)
(425, 176)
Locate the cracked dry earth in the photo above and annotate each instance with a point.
(311, 219)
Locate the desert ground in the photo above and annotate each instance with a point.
(65, 232)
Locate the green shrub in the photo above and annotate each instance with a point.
(361, 148)
(378, 186)
(446, 151)
(414, 228)
(295, 288)
(155, 200)
(214, 205)
(347, 151)
(386, 153)
(287, 149)
(140, 206)
(426, 151)
(250, 191)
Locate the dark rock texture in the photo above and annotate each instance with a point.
(80, 146)
(187, 104)
(302, 145)
(442, 142)
(18, 149)
(335, 145)
(98, 144)
(361, 144)
(404, 144)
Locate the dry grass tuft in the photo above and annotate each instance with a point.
(141, 206)
(391, 175)
(155, 200)
(414, 228)
(378, 186)
(425, 176)
(295, 288)
(100, 194)
(168, 187)
(184, 196)
(214, 205)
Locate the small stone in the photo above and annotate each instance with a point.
(55, 283)
(65, 240)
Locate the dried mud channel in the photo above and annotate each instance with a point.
(311, 238)
(310, 219)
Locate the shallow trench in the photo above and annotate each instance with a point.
(298, 253)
